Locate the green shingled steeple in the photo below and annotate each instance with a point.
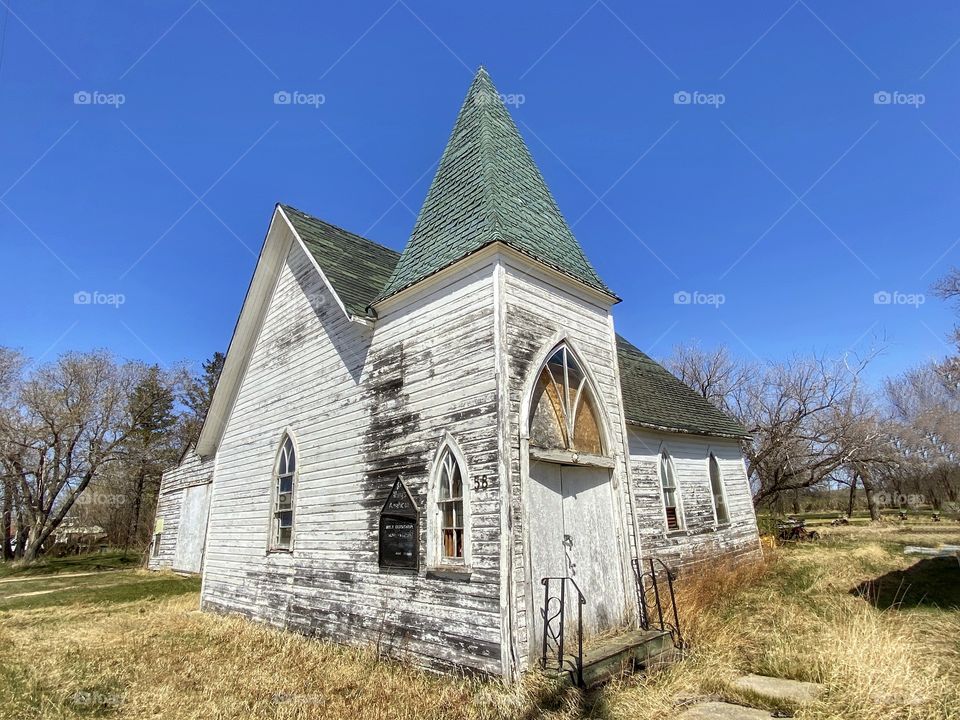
(488, 189)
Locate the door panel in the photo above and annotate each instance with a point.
(192, 532)
(572, 532)
(591, 543)
(545, 528)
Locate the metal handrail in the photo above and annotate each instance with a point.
(555, 631)
(645, 620)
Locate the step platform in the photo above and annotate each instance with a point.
(623, 654)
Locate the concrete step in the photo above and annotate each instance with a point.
(723, 711)
(792, 692)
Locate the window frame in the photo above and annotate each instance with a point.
(156, 545)
(713, 460)
(436, 560)
(574, 397)
(665, 459)
(273, 528)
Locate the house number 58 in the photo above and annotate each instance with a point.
(480, 483)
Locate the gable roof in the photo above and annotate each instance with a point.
(654, 397)
(357, 268)
(488, 189)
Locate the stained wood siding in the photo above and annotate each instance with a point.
(700, 539)
(536, 311)
(191, 471)
(364, 406)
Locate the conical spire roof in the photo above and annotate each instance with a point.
(487, 189)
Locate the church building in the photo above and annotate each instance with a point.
(402, 447)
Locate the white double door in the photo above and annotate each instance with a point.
(572, 528)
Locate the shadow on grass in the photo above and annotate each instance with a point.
(931, 582)
(108, 588)
(113, 560)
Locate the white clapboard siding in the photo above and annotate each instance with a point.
(364, 405)
(536, 311)
(700, 539)
(191, 471)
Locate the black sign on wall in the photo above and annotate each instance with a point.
(399, 529)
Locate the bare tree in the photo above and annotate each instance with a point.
(807, 416)
(67, 421)
(714, 374)
(11, 366)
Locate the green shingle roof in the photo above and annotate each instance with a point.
(487, 189)
(356, 267)
(653, 397)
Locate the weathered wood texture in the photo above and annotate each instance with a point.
(191, 471)
(537, 312)
(364, 406)
(701, 538)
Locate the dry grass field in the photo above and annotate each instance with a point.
(852, 612)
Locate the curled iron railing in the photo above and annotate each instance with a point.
(647, 582)
(553, 614)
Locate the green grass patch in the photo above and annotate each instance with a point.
(92, 562)
(98, 589)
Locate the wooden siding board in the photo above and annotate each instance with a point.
(701, 539)
(192, 470)
(535, 312)
(364, 407)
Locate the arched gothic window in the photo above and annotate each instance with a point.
(564, 415)
(450, 504)
(671, 502)
(719, 497)
(285, 474)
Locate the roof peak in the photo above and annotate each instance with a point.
(488, 189)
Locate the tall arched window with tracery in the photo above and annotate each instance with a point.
(564, 415)
(449, 541)
(284, 490)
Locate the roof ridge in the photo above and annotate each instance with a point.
(342, 229)
(488, 155)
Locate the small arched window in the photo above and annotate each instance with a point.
(720, 511)
(285, 475)
(671, 501)
(564, 415)
(449, 542)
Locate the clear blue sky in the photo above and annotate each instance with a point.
(797, 199)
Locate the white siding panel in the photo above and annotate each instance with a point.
(364, 406)
(701, 539)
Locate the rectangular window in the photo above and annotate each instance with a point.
(156, 545)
